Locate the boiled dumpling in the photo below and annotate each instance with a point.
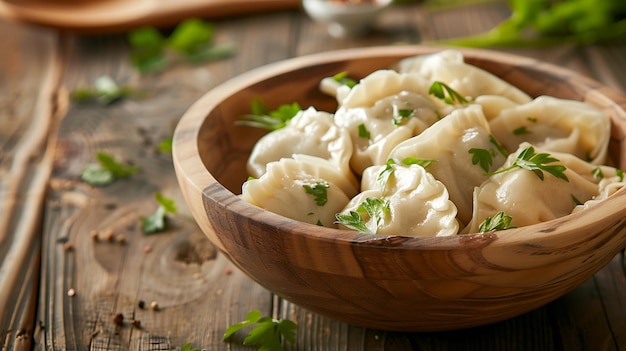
(492, 105)
(557, 125)
(528, 199)
(383, 110)
(453, 144)
(611, 180)
(449, 67)
(310, 132)
(413, 203)
(305, 188)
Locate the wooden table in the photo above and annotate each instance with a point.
(60, 288)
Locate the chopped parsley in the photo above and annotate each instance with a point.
(268, 333)
(343, 79)
(403, 114)
(483, 157)
(446, 94)
(191, 39)
(416, 161)
(597, 173)
(261, 116)
(521, 131)
(319, 191)
(385, 174)
(499, 221)
(537, 163)
(106, 171)
(363, 132)
(377, 210)
(156, 222)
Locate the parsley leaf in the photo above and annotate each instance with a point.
(105, 91)
(416, 161)
(342, 78)
(319, 191)
(537, 163)
(187, 347)
(499, 221)
(156, 222)
(597, 173)
(191, 39)
(261, 116)
(447, 94)
(521, 130)
(403, 114)
(482, 156)
(106, 171)
(385, 174)
(268, 334)
(377, 209)
(363, 132)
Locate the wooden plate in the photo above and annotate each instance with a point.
(102, 16)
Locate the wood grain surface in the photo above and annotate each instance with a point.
(198, 290)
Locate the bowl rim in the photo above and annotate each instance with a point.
(190, 167)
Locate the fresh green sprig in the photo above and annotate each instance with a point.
(187, 347)
(106, 171)
(446, 94)
(343, 79)
(546, 23)
(385, 174)
(363, 132)
(377, 210)
(267, 335)
(261, 116)
(537, 163)
(191, 39)
(105, 91)
(156, 222)
(319, 192)
(500, 221)
(417, 161)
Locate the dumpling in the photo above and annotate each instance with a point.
(462, 150)
(378, 122)
(305, 188)
(310, 132)
(528, 199)
(493, 104)
(611, 180)
(413, 203)
(557, 125)
(449, 67)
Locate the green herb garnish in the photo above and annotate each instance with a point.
(483, 157)
(620, 174)
(319, 191)
(156, 222)
(165, 146)
(403, 114)
(268, 334)
(499, 221)
(187, 347)
(342, 78)
(537, 163)
(261, 116)
(521, 131)
(597, 173)
(540, 23)
(416, 161)
(576, 201)
(363, 132)
(377, 209)
(192, 39)
(104, 91)
(385, 174)
(106, 171)
(447, 94)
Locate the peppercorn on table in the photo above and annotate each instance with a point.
(114, 261)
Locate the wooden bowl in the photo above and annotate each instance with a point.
(390, 282)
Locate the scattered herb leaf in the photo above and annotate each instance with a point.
(537, 163)
(165, 145)
(268, 334)
(499, 221)
(385, 174)
(106, 170)
(521, 131)
(187, 347)
(319, 191)
(403, 114)
(104, 91)
(416, 161)
(498, 146)
(342, 78)
(483, 157)
(447, 94)
(156, 222)
(620, 174)
(363, 132)
(260, 115)
(597, 173)
(377, 209)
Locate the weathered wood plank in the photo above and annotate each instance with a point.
(30, 110)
